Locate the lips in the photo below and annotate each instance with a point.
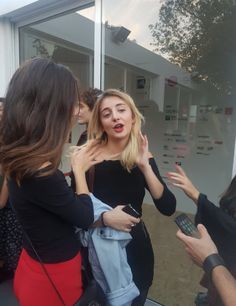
(118, 127)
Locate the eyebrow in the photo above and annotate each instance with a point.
(108, 108)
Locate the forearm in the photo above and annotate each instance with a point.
(225, 285)
(155, 187)
(81, 185)
(4, 194)
(195, 196)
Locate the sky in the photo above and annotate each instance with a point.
(135, 15)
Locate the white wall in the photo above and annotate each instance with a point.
(8, 62)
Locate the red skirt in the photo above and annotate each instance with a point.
(33, 288)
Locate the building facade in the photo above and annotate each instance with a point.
(190, 119)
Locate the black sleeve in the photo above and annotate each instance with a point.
(167, 203)
(72, 180)
(213, 217)
(220, 225)
(53, 194)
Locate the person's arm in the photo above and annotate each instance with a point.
(53, 194)
(81, 160)
(4, 194)
(119, 220)
(179, 179)
(220, 225)
(199, 250)
(163, 198)
(225, 285)
(155, 187)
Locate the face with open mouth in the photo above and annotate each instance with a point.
(116, 117)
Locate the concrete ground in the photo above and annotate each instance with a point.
(7, 297)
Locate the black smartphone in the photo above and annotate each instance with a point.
(131, 211)
(186, 225)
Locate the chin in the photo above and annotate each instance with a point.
(81, 122)
(120, 136)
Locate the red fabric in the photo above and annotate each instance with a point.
(32, 287)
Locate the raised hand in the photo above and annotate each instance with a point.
(82, 158)
(142, 160)
(180, 179)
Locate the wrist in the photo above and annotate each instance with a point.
(145, 168)
(103, 221)
(78, 171)
(195, 195)
(212, 261)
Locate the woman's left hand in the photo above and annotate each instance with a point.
(142, 160)
(119, 220)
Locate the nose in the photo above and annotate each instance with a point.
(115, 115)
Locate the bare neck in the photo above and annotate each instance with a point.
(116, 146)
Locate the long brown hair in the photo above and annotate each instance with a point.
(37, 117)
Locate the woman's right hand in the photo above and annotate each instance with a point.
(119, 220)
(82, 158)
(180, 179)
(198, 248)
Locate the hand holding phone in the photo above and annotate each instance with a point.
(186, 225)
(131, 211)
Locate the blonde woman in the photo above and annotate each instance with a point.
(125, 170)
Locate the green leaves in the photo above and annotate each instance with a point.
(200, 37)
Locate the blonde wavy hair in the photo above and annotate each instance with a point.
(95, 128)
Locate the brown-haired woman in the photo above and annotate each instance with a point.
(40, 108)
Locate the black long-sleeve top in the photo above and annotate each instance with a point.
(114, 185)
(221, 227)
(48, 209)
(119, 186)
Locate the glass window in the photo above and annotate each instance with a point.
(60, 40)
(177, 60)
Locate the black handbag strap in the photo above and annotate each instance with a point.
(39, 259)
